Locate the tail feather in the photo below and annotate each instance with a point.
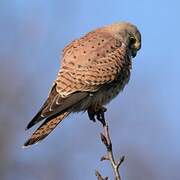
(45, 129)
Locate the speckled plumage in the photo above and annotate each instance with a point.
(94, 69)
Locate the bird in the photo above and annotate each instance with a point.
(94, 69)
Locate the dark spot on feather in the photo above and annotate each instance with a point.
(71, 63)
(37, 133)
(109, 97)
(65, 67)
(88, 80)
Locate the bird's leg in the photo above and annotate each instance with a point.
(97, 113)
(100, 115)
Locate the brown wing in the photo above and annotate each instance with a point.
(38, 117)
(90, 62)
(55, 104)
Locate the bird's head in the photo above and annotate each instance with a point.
(128, 34)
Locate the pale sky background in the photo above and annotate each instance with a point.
(144, 120)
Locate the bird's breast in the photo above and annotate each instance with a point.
(110, 91)
(106, 93)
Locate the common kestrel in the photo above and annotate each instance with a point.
(94, 69)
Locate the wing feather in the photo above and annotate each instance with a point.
(39, 116)
(51, 107)
(93, 75)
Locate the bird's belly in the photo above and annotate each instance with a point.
(103, 96)
(110, 91)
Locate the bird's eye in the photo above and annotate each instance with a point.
(132, 40)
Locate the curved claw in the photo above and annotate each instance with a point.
(98, 114)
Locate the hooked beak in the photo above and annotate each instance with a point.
(134, 53)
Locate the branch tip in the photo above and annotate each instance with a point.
(105, 157)
(99, 177)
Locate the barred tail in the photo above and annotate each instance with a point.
(45, 129)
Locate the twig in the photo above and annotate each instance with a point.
(105, 138)
(99, 177)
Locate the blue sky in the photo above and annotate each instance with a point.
(144, 119)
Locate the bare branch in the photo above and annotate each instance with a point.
(105, 157)
(100, 177)
(105, 138)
